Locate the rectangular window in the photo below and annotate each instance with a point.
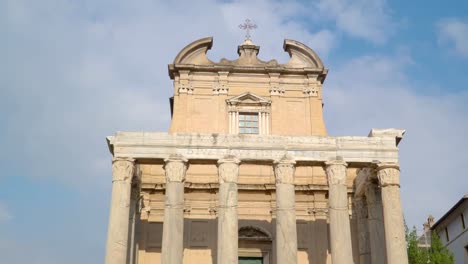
(248, 123)
(446, 235)
(463, 221)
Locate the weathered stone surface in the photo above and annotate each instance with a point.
(286, 230)
(363, 231)
(389, 175)
(228, 169)
(213, 146)
(376, 223)
(117, 237)
(340, 232)
(173, 228)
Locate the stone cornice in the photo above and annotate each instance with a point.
(153, 145)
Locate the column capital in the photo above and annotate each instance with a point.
(388, 174)
(123, 169)
(175, 168)
(336, 172)
(228, 169)
(284, 170)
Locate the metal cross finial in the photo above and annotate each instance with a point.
(247, 26)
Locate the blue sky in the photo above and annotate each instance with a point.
(74, 72)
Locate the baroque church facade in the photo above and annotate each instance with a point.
(248, 174)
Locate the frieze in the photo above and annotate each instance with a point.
(246, 147)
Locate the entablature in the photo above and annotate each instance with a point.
(153, 145)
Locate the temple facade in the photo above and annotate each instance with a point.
(248, 174)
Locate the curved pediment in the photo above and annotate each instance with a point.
(194, 57)
(195, 52)
(301, 55)
(248, 99)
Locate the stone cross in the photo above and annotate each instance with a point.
(247, 26)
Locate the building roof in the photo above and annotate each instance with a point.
(447, 214)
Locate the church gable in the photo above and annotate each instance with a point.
(248, 99)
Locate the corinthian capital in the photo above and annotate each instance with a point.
(284, 170)
(388, 174)
(122, 169)
(175, 167)
(336, 172)
(228, 169)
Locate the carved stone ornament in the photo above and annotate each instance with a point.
(123, 169)
(219, 88)
(253, 233)
(185, 88)
(175, 168)
(388, 174)
(336, 172)
(276, 90)
(284, 170)
(310, 92)
(228, 169)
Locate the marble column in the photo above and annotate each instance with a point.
(340, 229)
(286, 231)
(228, 170)
(389, 179)
(363, 231)
(133, 222)
(173, 227)
(376, 223)
(117, 237)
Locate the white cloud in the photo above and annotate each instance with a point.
(454, 33)
(78, 73)
(5, 214)
(366, 19)
(374, 91)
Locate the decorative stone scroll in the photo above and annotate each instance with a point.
(228, 168)
(388, 174)
(284, 170)
(175, 167)
(336, 172)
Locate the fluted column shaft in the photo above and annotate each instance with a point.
(117, 237)
(340, 230)
(363, 231)
(228, 170)
(376, 224)
(389, 179)
(173, 227)
(286, 231)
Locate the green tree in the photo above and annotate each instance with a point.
(438, 253)
(416, 255)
